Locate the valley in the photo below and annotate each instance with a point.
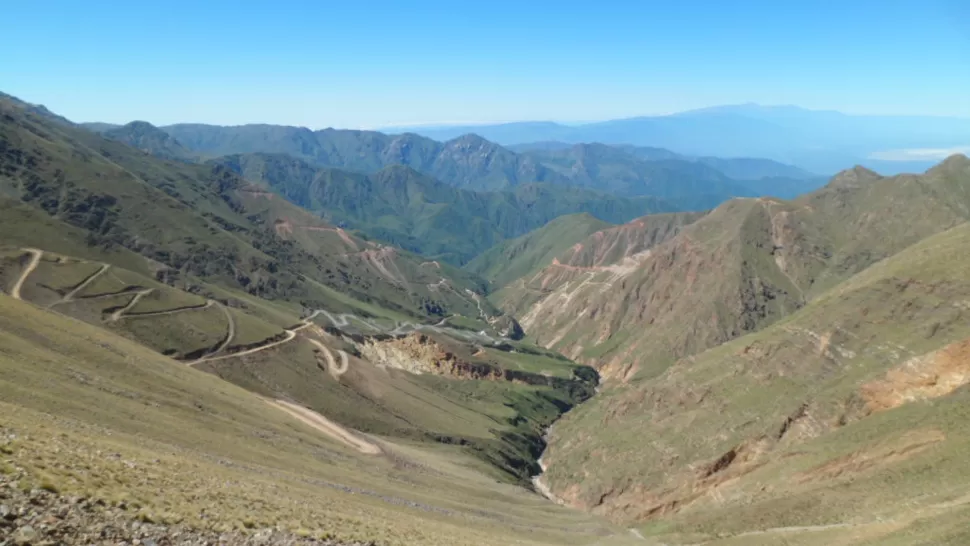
(270, 335)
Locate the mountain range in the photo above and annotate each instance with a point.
(470, 162)
(393, 188)
(401, 206)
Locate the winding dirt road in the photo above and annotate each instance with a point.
(70, 296)
(138, 295)
(206, 305)
(335, 371)
(35, 256)
(290, 336)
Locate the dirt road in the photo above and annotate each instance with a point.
(35, 256)
(326, 426)
(335, 371)
(138, 295)
(69, 297)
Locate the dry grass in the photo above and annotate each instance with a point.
(98, 415)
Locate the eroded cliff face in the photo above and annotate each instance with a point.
(633, 299)
(418, 353)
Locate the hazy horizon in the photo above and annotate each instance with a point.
(386, 64)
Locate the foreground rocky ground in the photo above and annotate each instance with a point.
(39, 517)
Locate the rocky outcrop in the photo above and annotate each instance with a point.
(507, 327)
(419, 353)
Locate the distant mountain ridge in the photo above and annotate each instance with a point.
(818, 141)
(419, 213)
(472, 162)
(467, 161)
(151, 140)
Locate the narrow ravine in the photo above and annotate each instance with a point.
(537, 482)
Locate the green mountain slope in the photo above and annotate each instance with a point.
(208, 222)
(243, 325)
(525, 255)
(418, 213)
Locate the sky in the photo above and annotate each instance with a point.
(372, 64)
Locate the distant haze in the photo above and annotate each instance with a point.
(821, 141)
(381, 63)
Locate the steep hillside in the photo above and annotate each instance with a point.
(105, 440)
(242, 327)
(841, 424)
(206, 222)
(524, 255)
(741, 267)
(240, 338)
(682, 288)
(403, 207)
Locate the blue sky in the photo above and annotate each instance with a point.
(365, 63)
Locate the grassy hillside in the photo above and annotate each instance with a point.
(143, 438)
(203, 221)
(500, 397)
(524, 255)
(843, 422)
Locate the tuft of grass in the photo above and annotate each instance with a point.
(48, 484)
(145, 517)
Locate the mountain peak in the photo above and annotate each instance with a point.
(955, 164)
(855, 177)
(139, 127)
(470, 140)
(956, 161)
(149, 139)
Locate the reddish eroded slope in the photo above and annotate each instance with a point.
(855, 401)
(679, 288)
(613, 245)
(664, 286)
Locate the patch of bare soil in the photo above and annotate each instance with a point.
(927, 376)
